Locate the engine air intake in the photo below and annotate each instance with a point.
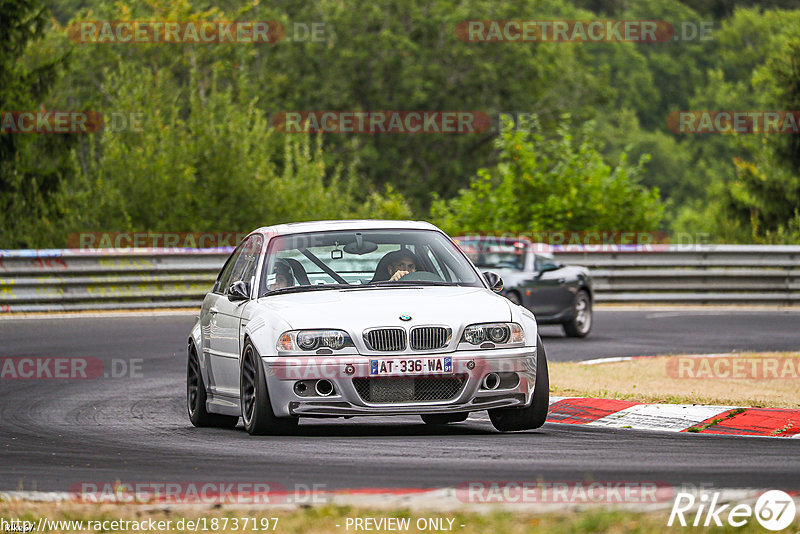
(429, 337)
(386, 339)
(408, 389)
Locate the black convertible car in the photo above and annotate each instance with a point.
(555, 293)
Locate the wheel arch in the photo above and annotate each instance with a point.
(191, 344)
(246, 338)
(587, 287)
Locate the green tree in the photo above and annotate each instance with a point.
(201, 161)
(541, 184)
(749, 192)
(720, 9)
(209, 109)
(31, 166)
(764, 197)
(406, 55)
(669, 166)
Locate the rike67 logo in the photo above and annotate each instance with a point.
(774, 510)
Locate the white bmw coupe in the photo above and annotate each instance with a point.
(346, 318)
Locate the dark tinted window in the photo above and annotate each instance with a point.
(546, 262)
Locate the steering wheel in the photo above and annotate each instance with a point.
(421, 276)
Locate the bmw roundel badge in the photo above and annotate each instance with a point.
(405, 317)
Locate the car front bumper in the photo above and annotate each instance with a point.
(344, 372)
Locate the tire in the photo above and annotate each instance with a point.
(581, 324)
(514, 297)
(444, 418)
(196, 397)
(533, 416)
(257, 414)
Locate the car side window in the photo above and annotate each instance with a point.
(224, 277)
(244, 269)
(546, 263)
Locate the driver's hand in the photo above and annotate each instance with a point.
(398, 275)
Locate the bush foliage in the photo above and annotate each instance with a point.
(206, 157)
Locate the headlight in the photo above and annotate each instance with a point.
(475, 335)
(497, 333)
(314, 339)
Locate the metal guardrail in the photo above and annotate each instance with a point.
(66, 280)
(698, 274)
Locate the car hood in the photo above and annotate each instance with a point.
(357, 309)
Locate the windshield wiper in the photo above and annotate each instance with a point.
(300, 289)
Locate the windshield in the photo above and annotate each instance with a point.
(374, 258)
(493, 255)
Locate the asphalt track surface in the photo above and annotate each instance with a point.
(56, 433)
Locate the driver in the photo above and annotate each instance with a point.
(283, 275)
(401, 262)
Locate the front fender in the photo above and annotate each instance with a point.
(525, 317)
(263, 329)
(194, 337)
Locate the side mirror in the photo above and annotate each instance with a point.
(238, 291)
(494, 280)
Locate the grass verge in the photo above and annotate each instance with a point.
(654, 380)
(324, 519)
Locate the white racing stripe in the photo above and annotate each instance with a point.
(675, 417)
(607, 360)
(36, 496)
(617, 359)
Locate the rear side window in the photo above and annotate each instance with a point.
(545, 262)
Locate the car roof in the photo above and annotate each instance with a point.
(339, 225)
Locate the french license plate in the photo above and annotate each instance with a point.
(411, 366)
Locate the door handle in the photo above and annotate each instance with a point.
(213, 311)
